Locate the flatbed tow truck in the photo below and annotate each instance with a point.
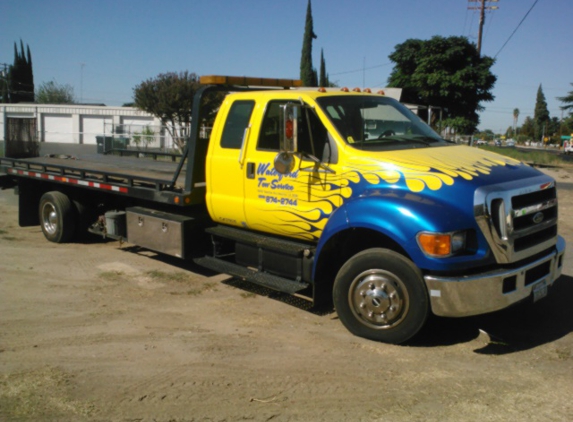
(340, 197)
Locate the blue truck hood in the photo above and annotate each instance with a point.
(448, 175)
(401, 193)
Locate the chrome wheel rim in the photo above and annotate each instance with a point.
(49, 218)
(378, 299)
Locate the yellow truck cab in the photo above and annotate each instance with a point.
(392, 219)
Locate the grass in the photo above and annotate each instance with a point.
(113, 276)
(197, 291)
(43, 394)
(530, 156)
(165, 276)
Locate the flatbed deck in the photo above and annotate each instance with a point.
(143, 177)
(143, 169)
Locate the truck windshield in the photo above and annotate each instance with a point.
(378, 123)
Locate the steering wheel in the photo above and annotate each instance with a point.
(387, 133)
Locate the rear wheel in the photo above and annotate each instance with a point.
(380, 295)
(58, 217)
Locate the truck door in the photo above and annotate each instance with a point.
(299, 203)
(226, 178)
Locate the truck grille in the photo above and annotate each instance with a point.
(518, 219)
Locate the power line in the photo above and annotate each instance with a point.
(515, 30)
(361, 70)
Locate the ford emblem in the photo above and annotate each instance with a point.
(538, 218)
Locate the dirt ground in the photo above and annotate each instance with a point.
(107, 332)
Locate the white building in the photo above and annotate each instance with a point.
(77, 124)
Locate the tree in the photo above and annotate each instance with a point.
(21, 76)
(169, 96)
(4, 89)
(307, 72)
(528, 128)
(447, 73)
(568, 101)
(515, 117)
(54, 93)
(323, 80)
(540, 115)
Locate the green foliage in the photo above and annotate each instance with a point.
(307, 72)
(447, 73)
(21, 77)
(54, 93)
(486, 135)
(143, 138)
(4, 98)
(323, 80)
(540, 115)
(509, 132)
(568, 101)
(169, 96)
(528, 128)
(515, 117)
(567, 125)
(530, 156)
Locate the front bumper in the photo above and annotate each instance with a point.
(494, 290)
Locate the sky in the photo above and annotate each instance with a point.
(104, 48)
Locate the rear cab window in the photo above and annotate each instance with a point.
(236, 123)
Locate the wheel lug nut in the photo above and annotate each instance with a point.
(371, 286)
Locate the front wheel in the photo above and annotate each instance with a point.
(380, 295)
(58, 217)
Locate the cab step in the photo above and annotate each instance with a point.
(261, 240)
(262, 279)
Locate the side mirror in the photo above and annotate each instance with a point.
(284, 161)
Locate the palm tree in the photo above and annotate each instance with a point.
(567, 100)
(515, 116)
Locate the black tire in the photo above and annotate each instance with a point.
(380, 295)
(58, 217)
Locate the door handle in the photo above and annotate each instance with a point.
(250, 170)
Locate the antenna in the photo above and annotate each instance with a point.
(82, 82)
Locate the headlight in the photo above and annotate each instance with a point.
(441, 245)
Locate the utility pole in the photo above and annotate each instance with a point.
(482, 8)
(82, 82)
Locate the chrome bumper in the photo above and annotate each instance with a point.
(495, 290)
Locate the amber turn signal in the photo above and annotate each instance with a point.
(435, 244)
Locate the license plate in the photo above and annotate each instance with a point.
(540, 291)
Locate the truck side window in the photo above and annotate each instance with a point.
(318, 144)
(237, 121)
(270, 128)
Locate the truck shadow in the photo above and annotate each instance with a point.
(521, 327)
